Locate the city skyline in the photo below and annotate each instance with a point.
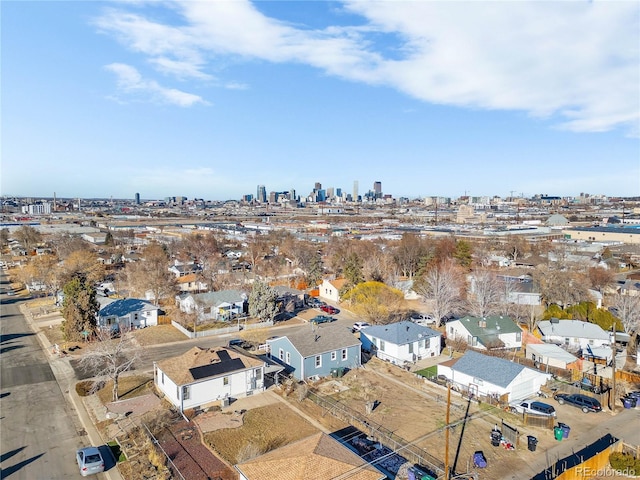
(106, 99)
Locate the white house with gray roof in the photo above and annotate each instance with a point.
(220, 305)
(401, 342)
(573, 334)
(315, 352)
(486, 333)
(492, 376)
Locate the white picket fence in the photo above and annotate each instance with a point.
(220, 331)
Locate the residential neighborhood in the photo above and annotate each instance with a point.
(243, 351)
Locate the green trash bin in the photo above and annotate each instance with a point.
(558, 433)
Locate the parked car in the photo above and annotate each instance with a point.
(586, 384)
(314, 302)
(322, 319)
(90, 461)
(423, 319)
(536, 408)
(359, 326)
(584, 402)
(238, 342)
(330, 309)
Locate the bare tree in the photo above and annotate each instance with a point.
(110, 357)
(442, 287)
(628, 311)
(409, 254)
(152, 274)
(28, 237)
(485, 293)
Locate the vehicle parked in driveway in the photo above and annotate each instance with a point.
(359, 326)
(330, 309)
(322, 319)
(423, 319)
(315, 302)
(536, 408)
(583, 402)
(89, 461)
(586, 384)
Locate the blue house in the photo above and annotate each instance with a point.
(128, 313)
(317, 351)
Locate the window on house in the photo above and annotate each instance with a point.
(281, 354)
(411, 348)
(225, 380)
(344, 354)
(258, 374)
(162, 378)
(382, 345)
(334, 355)
(518, 336)
(288, 360)
(186, 392)
(451, 330)
(318, 361)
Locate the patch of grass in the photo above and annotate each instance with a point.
(118, 454)
(263, 428)
(158, 334)
(128, 387)
(428, 372)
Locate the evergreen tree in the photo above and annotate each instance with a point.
(262, 301)
(79, 308)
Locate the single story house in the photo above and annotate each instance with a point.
(401, 342)
(182, 269)
(190, 283)
(317, 351)
(330, 289)
(128, 313)
(202, 376)
(486, 333)
(574, 335)
(319, 457)
(550, 355)
(496, 377)
(289, 299)
(221, 305)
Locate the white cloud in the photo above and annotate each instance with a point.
(131, 83)
(574, 62)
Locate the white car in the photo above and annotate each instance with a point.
(359, 326)
(423, 319)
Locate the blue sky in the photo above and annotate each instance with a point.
(208, 99)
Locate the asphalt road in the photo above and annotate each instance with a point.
(39, 432)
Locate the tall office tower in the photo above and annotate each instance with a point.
(355, 191)
(273, 197)
(261, 194)
(137, 199)
(292, 194)
(339, 192)
(377, 189)
(330, 193)
(318, 186)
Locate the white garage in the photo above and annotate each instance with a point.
(493, 376)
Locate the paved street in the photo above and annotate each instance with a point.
(39, 432)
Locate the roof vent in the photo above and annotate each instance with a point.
(555, 320)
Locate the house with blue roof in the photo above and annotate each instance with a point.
(486, 333)
(128, 313)
(484, 375)
(401, 342)
(317, 351)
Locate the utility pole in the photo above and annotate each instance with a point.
(613, 369)
(446, 436)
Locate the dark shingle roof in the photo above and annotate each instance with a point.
(126, 306)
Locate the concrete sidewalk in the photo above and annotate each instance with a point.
(65, 376)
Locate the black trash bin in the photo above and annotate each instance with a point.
(532, 442)
(496, 436)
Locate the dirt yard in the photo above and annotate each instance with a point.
(259, 431)
(416, 411)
